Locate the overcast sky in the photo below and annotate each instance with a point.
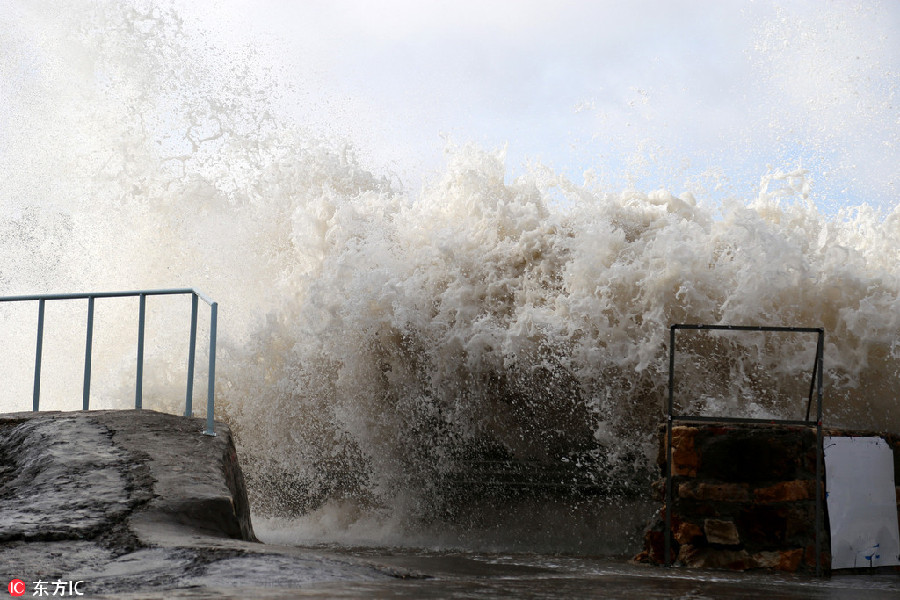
(697, 95)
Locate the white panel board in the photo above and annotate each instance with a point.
(862, 509)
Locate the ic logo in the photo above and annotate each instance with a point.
(16, 587)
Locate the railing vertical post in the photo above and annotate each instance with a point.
(85, 403)
(138, 388)
(192, 350)
(211, 386)
(820, 470)
(670, 406)
(39, 346)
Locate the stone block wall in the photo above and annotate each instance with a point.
(744, 497)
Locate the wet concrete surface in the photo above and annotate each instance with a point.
(140, 503)
(474, 575)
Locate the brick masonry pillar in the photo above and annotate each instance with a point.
(743, 497)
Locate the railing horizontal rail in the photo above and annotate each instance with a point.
(749, 328)
(42, 299)
(132, 293)
(704, 419)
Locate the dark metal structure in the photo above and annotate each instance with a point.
(815, 388)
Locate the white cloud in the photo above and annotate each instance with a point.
(728, 86)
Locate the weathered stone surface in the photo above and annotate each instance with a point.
(77, 475)
(714, 492)
(198, 482)
(658, 490)
(783, 560)
(763, 525)
(791, 559)
(138, 502)
(809, 557)
(787, 491)
(715, 558)
(63, 478)
(750, 455)
(656, 548)
(722, 532)
(684, 456)
(687, 533)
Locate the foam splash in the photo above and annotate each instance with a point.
(376, 345)
(488, 312)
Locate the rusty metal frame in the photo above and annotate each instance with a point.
(814, 387)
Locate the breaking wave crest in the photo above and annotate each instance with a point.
(410, 354)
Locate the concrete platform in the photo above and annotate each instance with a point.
(139, 502)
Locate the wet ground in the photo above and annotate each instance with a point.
(136, 505)
(457, 575)
(422, 575)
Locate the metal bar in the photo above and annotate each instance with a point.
(192, 351)
(820, 471)
(705, 419)
(203, 297)
(817, 330)
(748, 328)
(211, 385)
(139, 378)
(84, 296)
(123, 294)
(89, 338)
(39, 346)
(669, 410)
(812, 382)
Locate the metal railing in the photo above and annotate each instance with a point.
(815, 388)
(42, 299)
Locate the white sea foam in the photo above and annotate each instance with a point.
(375, 343)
